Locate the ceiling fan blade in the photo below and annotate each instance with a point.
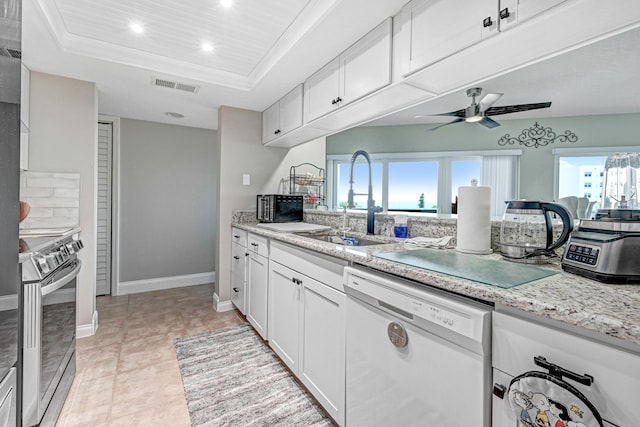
(489, 99)
(458, 113)
(494, 111)
(445, 124)
(488, 123)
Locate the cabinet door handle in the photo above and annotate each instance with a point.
(338, 99)
(235, 236)
(236, 257)
(504, 13)
(246, 254)
(487, 22)
(559, 371)
(236, 290)
(334, 101)
(254, 245)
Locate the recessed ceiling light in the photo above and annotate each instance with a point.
(207, 47)
(136, 28)
(226, 3)
(174, 115)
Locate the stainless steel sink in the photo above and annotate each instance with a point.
(338, 239)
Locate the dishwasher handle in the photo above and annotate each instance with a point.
(559, 371)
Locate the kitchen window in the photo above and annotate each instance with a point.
(424, 182)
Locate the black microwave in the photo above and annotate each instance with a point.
(279, 208)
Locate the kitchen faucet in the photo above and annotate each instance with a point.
(371, 207)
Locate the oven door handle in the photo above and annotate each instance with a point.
(60, 282)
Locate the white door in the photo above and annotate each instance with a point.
(514, 12)
(366, 66)
(257, 277)
(270, 123)
(103, 242)
(291, 111)
(322, 91)
(284, 313)
(440, 28)
(322, 359)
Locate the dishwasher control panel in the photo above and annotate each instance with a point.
(418, 304)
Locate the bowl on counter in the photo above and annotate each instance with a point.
(24, 210)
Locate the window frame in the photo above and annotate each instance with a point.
(444, 159)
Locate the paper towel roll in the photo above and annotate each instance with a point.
(474, 219)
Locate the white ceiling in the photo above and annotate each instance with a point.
(263, 48)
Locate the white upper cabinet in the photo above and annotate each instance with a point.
(360, 70)
(283, 116)
(513, 12)
(439, 28)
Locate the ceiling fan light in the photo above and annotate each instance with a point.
(473, 119)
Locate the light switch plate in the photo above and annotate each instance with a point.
(246, 179)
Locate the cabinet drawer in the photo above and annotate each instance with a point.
(258, 244)
(239, 236)
(239, 256)
(325, 269)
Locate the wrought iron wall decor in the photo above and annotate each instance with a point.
(538, 136)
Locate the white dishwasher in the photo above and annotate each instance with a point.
(415, 356)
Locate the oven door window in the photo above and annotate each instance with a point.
(58, 332)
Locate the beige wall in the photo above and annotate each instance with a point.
(310, 152)
(166, 200)
(63, 125)
(240, 151)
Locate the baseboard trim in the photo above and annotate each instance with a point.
(137, 286)
(221, 305)
(83, 331)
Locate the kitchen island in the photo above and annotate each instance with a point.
(610, 312)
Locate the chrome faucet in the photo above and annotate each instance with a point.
(371, 205)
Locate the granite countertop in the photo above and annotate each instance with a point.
(612, 310)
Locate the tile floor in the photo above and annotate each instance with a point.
(127, 373)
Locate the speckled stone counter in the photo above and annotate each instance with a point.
(612, 310)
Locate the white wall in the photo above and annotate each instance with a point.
(240, 151)
(63, 138)
(310, 152)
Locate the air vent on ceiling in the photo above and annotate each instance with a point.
(10, 53)
(169, 84)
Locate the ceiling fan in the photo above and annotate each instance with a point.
(479, 112)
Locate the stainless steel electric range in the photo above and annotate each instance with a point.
(50, 266)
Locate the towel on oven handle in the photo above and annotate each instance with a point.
(539, 399)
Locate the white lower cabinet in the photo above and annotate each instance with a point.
(257, 283)
(307, 321)
(239, 256)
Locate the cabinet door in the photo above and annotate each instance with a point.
(366, 66)
(291, 111)
(238, 261)
(270, 123)
(513, 12)
(322, 353)
(256, 294)
(238, 294)
(322, 91)
(440, 28)
(284, 313)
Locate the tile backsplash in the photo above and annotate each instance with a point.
(54, 199)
